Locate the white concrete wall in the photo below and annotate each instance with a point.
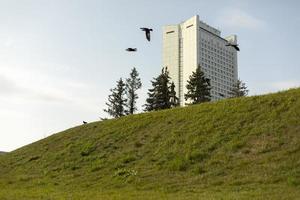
(219, 63)
(193, 42)
(171, 53)
(189, 52)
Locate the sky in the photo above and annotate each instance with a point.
(59, 58)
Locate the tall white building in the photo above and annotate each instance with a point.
(192, 43)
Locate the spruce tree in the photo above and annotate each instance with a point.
(160, 94)
(116, 101)
(239, 89)
(198, 87)
(174, 100)
(133, 83)
(151, 101)
(163, 97)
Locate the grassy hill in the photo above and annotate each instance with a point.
(244, 148)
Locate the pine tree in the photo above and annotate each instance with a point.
(239, 89)
(198, 87)
(116, 100)
(160, 95)
(133, 83)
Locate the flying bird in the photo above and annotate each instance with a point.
(131, 49)
(147, 31)
(84, 122)
(234, 46)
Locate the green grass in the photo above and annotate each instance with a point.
(244, 148)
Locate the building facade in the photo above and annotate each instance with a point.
(193, 43)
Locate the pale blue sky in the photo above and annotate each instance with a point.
(59, 58)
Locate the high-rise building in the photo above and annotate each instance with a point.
(193, 43)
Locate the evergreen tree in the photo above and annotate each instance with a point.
(198, 87)
(116, 101)
(150, 105)
(160, 95)
(174, 100)
(153, 93)
(151, 101)
(239, 89)
(133, 83)
(163, 92)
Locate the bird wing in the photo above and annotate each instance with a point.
(148, 35)
(131, 49)
(236, 47)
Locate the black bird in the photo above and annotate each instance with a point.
(131, 49)
(84, 122)
(147, 31)
(234, 46)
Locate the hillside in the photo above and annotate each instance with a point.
(244, 148)
(2, 152)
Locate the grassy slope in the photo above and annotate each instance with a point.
(241, 148)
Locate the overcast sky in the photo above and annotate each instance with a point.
(59, 58)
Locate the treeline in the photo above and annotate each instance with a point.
(123, 98)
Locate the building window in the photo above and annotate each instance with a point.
(170, 32)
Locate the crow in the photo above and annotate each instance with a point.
(84, 122)
(147, 31)
(131, 49)
(234, 46)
